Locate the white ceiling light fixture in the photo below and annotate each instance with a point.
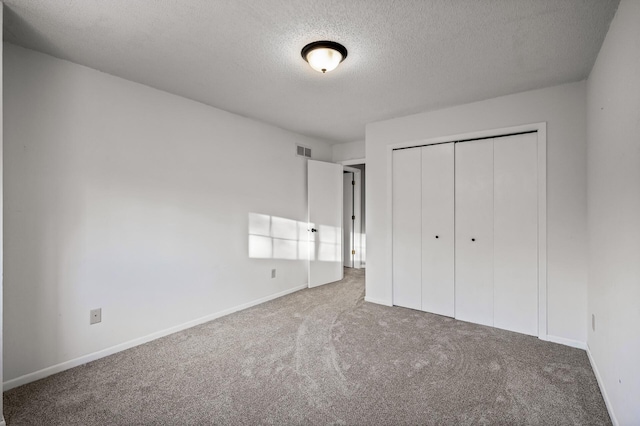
(324, 55)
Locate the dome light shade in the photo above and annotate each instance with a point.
(324, 56)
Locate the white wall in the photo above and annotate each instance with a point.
(563, 108)
(348, 151)
(134, 200)
(614, 214)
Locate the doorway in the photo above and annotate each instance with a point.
(354, 220)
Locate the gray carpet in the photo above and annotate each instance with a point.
(323, 356)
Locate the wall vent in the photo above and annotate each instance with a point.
(303, 151)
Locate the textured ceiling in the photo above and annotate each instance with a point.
(243, 56)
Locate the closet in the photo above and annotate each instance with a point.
(465, 230)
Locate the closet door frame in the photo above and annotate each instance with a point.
(541, 129)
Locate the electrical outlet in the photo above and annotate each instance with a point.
(273, 273)
(593, 322)
(95, 316)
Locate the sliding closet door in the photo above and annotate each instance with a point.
(407, 217)
(516, 233)
(474, 231)
(438, 229)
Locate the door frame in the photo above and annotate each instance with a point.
(354, 162)
(541, 129)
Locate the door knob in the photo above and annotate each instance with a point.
(473, 239)
(314, 230)
(437, 236)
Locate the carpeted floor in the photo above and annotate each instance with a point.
(323, 356)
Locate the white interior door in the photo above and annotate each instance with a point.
(407, 235)
(357, 222)
(438, 229)
(516, 233)
(474, 231)
(324, 185)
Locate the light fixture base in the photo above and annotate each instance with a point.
(325, 45)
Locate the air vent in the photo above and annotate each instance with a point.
(303, 151)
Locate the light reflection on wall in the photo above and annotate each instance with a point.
(360, 246)
(327, 240)
(272, 237)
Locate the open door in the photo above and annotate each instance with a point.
(352, 217)
(325, 222)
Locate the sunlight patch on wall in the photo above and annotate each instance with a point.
(272, 237)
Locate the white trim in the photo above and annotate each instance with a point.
(2, 241)
(45, 372)
(541, 129)
(603, 391)
(353, 162)
(563, 341)
(389, 212)
(377, 301)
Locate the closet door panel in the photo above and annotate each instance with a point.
(474, 231)
(407, 217)
(516, 234)
(438, 229)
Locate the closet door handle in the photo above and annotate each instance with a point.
(437, 236)
(473, 239)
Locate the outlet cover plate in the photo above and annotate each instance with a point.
(95, 316)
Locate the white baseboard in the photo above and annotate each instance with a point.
(603, 391)
(377, 301)
(2, 422)
(563, 341)
(45, 372)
